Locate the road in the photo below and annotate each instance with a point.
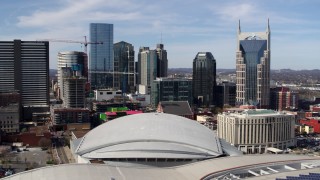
(61, 153)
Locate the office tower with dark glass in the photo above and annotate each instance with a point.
(24, 67)
(162, 61)
(124, 75)
(101, 55)
(171, 89)
(253, 68)
(204, 78)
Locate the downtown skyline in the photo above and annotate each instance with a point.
(185, 28)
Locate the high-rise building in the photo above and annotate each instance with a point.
(73, 87)
(255, 130)
(147, 68)
(67, 59)
(101, 55)
(124, 75)
(253, 68)
(204, 78)
(74, 92)
(282, 98)
(167, 89)
(25, 69)
(225, 94)
(162, 61)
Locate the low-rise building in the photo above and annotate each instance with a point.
(314, 122)
(180, 108)
(143, 99)
(70, 115)
(10, 118)
(254, 130)
(106, 94)
(103, 106)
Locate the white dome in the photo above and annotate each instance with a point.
(150, 135)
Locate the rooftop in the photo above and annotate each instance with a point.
(267, 166)
(255, 112)
(176, 107)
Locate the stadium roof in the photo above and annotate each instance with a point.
(267, 166)
(150, 135)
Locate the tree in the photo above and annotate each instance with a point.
(44, 143)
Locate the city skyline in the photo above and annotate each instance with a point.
(209, 26)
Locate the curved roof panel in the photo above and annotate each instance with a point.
(150, 135)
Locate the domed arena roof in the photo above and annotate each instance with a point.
(150, 135)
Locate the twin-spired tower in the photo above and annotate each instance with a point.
(253, 68)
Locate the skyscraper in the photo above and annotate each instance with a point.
(147, 67)
(204, 78)
(24, 67)
(124, 67)
(253, 68)
(162, 61)
(101, 55)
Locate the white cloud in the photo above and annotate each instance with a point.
(236, 11)
(78, 12)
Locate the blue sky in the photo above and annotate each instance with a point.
(187, 26)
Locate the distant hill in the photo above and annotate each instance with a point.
(189, 70)
(281, 75)
(52, 72)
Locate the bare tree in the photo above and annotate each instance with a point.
(44, 143)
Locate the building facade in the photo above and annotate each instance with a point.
(147, 67)
(25, 69)
(204, 79)
(225, 94)
(162, 61)
(101, 55)
(167, 89)
(253, 131)
(312, 122)
(70, 115)
(253, 68)
(124, 75)
(282, 98)
(106, 94)
(67, 59)
(74, 92)
(10, 118)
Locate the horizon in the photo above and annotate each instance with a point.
(184, 31)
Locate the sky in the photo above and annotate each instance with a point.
(185, 27)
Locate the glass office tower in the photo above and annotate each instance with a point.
(253, 68)
(204, 79)
(101, 55)
(124, 67)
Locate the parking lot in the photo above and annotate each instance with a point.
(21, 160)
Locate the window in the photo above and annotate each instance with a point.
(101, 93)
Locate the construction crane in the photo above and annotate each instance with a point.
(85, 42)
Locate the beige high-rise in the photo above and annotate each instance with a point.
(253, 68)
